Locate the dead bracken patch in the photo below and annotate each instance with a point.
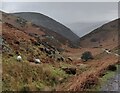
(90, 78)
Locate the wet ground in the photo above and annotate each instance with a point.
(113, 83)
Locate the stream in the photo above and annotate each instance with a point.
(113, 83)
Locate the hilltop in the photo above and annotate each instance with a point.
(47, 22)
(105, 36)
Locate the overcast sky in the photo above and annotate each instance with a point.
(60, 0)
(67, 12)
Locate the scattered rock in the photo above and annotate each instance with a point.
(70, 59)
(11, 55)
(70, 70)
(17, 42)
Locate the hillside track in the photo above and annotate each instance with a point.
(91, 77)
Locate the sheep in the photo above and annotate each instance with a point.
(19, 58)
(107, 51)
(37, 60)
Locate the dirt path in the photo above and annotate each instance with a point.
(87, 78)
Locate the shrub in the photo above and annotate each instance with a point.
(112, 68)
(86, 56)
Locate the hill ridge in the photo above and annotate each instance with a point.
(47, 22)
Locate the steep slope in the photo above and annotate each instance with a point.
(47, 22)
(39, 32)
(20, 37)
(26, 75)
(105, 36)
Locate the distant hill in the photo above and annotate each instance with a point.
(47, 22)
(83, 28)
(104, 36)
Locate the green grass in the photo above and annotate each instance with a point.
(25, 76)
(58, 72)
(54, 75)
(64, 64)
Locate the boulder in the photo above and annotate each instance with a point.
(70, 70)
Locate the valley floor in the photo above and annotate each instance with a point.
(94, 69)
(50, 76)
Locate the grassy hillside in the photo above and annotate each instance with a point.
(47, 22)
(39, 32)
(27, 75)
(104, 36)
(58, 69)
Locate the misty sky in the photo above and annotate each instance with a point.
(60, 0)
(68, 12)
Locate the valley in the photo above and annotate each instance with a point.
(50, 61)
